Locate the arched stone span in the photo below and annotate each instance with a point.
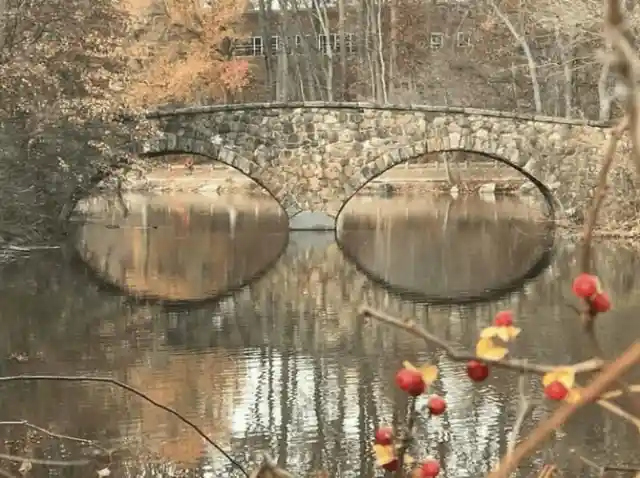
(312, 157)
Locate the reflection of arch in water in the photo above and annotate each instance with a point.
(96, 265)
(464, 296)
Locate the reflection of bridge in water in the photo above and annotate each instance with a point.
(445, 250)
(166, 248)
(436, 250)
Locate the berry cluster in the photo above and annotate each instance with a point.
(415, 382)
(587, 287)
(384, 437)
(559, 383)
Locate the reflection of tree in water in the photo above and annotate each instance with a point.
(190, 255)
(296, 381)
(206, 387)
(454, 246)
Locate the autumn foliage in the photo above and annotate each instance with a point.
(183, 51)
(64, 71)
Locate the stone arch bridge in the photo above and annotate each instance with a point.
(312, 157)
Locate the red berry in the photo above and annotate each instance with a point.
(384, 436)
(410, 381)
(477, 371)
(585, 285)
(436, 405)
(392, 465)
(430, 469)
(556, 391)
(600, 302)
(503, 319)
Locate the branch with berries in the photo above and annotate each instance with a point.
(558, 381)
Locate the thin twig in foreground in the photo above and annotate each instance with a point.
(591, 365)
(407, 437)
(129, 388)
(524, 407)
(40, 461)
(599, 195)
(588, 314)
(544, 430)
(44, 431)
(616, 410)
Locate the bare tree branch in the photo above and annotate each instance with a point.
(591, 365)
(545, 430)
(44, 431)
(129, 388)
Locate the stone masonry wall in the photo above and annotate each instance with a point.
(314, 156)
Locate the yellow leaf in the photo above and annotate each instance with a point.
(408, 365)
(512, 331)
(429, 373)
(487, 349)
(503, 333)
(490, 332)
(573, 396)
(565, 375)
(408, 460)
(384, 454)
(598, 285)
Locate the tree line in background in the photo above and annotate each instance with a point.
(523, 55)
(69, 66)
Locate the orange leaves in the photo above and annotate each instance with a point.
(184, 58)
(235, 74)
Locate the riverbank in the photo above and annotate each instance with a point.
(407, 181)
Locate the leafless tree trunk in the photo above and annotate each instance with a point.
(383, 81)
(305, 65)
(323, 21)
(531, 62)
(367, 35)
(343, 47)
(604, 97)
(284, 55)
(3, 22)
(566, 56)
(393, 38)
(264, 22)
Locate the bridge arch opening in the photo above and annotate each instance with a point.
(200, 165)
(391, 160)
(177, 244)
(403, 234)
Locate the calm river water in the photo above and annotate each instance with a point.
(282, 364)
